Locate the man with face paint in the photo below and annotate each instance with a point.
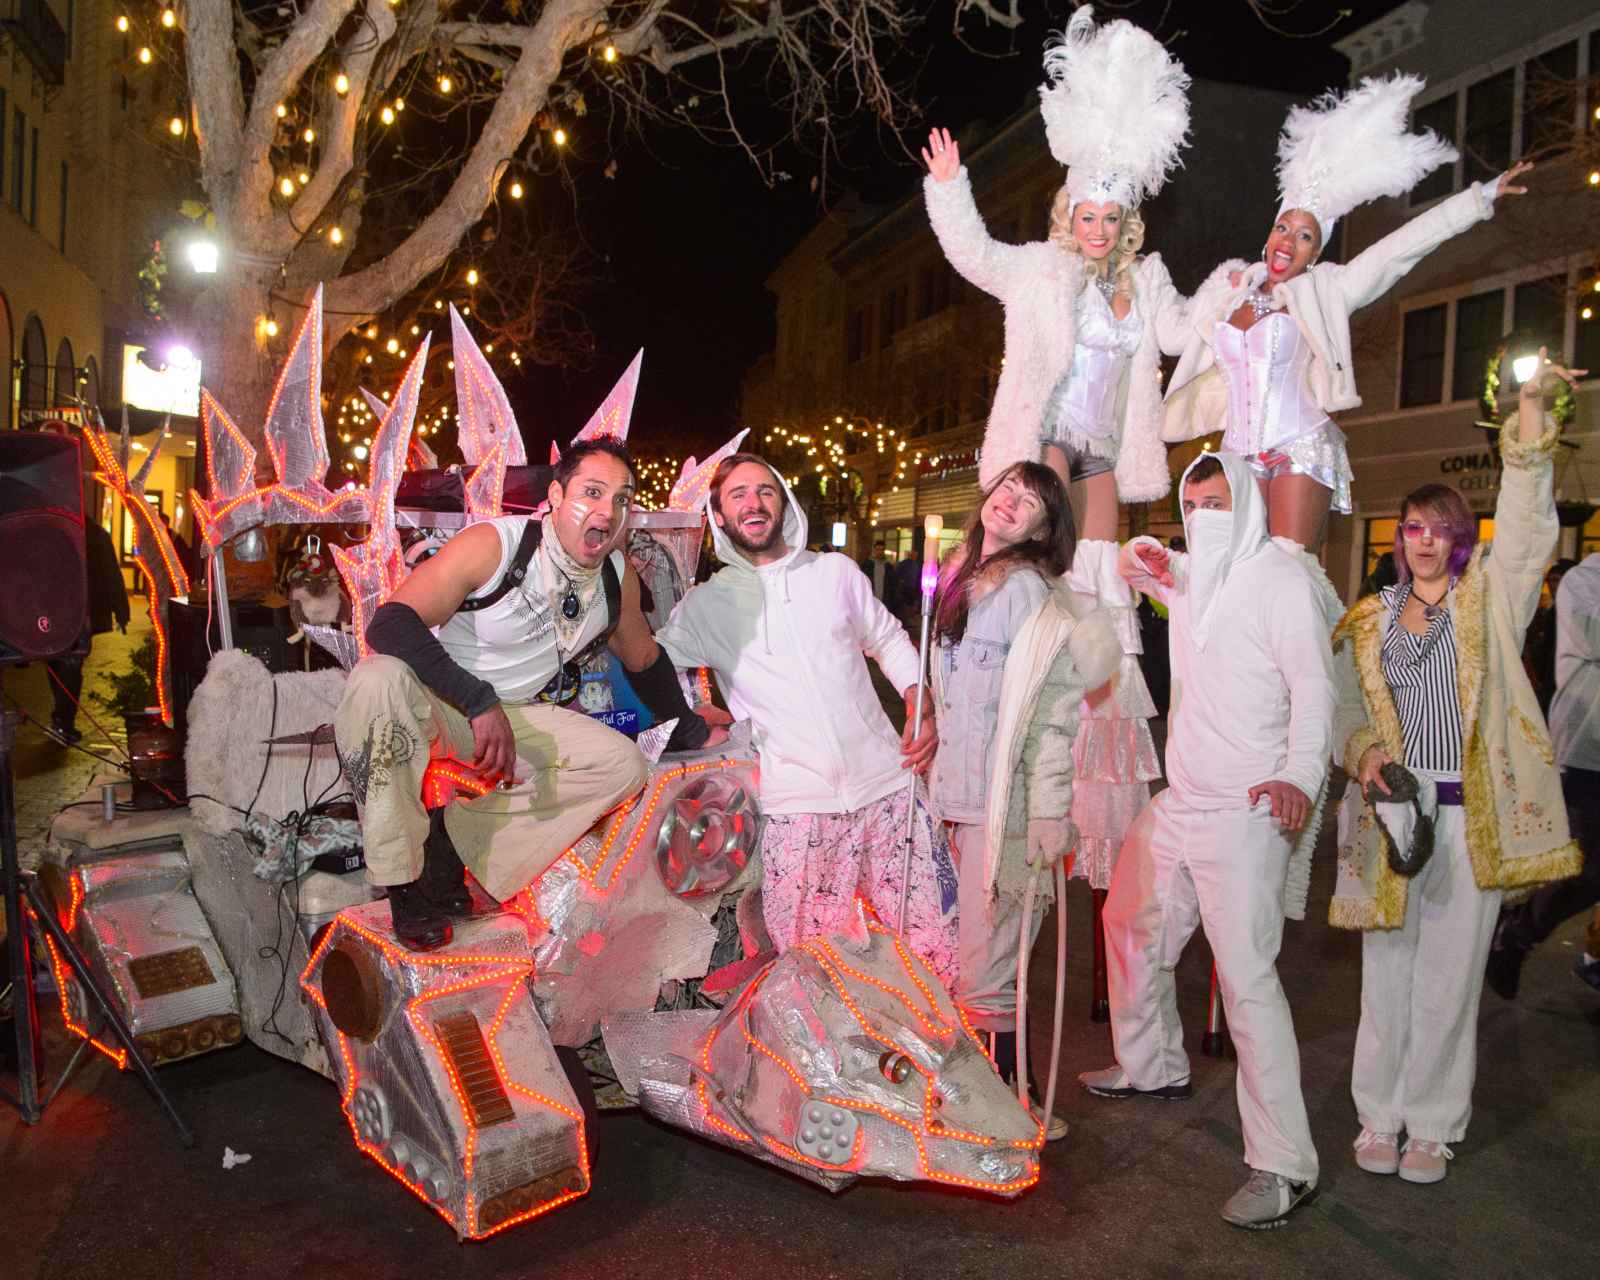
(788, 632)
(1247, 752)
(477, 655)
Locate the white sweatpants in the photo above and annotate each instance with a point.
(989, 929)
(1417, 1046)
(1223, 870)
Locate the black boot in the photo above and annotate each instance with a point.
(443, 879)
(418, 924)
(1005, 1056)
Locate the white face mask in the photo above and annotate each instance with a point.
(1210, 536)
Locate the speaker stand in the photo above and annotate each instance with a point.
(22, 896)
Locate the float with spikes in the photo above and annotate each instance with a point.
(462, 1072)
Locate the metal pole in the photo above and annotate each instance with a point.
(911, 779)
(24, 1012)
(219, 598)
(1214, 1042)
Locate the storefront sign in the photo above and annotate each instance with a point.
(1477, 472)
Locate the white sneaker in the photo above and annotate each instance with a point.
(1264, 1201)
(1425, 1161)
(1056, 1129)
(1378, 1152)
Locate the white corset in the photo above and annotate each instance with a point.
(1269, 398)
(1086, 396)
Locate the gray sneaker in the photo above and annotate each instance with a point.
(1113, 1082)
(1264, 1201)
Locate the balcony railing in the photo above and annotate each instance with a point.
(34, 28)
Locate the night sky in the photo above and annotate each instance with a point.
(691, 233)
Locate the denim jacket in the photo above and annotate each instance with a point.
(967, 692)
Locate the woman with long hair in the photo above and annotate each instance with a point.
(1432, 680)
(1012, 660)
(1087, 318)
(1268, 355)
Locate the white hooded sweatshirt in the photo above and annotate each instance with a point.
(1252, 669)
(789, 643)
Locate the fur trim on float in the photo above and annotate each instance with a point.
(1116, 110)
(1344, 150)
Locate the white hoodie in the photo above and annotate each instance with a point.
(789, 642)
(1252, 669)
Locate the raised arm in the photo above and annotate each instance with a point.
(1525, 526)
(988, 264)
(1376, 269)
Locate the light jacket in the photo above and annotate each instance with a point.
(1516, 822)
(1063, 651)
(1252, 672)
(1038, 285)
(1575, 710)
(789, 643)
(966, 687)
(1321, 301)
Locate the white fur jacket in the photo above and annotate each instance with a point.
(1321, 301)
(1038, 285)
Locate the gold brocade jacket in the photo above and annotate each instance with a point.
(1516, 821)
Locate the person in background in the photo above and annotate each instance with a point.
(880, 571)
(186, 554)
(108, 605)
(1575, 731)
(1383, 574)
(1539, 649)
(908, 588)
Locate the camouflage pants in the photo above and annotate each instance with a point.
(570, 770)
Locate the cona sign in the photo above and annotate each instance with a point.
(1472, 472)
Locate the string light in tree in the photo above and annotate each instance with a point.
(387, 115)
(446, 84)
(341, 84)
(122, 23)
(286, 187)
(282, 111)
(335, 235)
(515, 190)
(144, 55)
(175, 126)
(559, 137)
(169, 19)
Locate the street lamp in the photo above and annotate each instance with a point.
(203, 254)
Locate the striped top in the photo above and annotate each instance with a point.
(1421, 671)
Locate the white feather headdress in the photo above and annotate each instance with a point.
(1116, 110)
(1344, 150)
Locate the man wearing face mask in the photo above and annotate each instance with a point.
(477, 655)
(788, 632)
(1247, 753)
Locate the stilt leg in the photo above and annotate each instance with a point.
(1100, 1000)
(1214, 1043)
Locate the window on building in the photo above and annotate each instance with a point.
(72, 22)
(1439, 116)
(19, 158)
(1539, 308)
(933, 289)
(1486, 152)
(33, 180)
(892, 314)
(1479, 321)
(1422, 357)
(1549, 100)
(1589, 537)
(855, 336)
(1586, 353)
(61, 229)
(2, 143)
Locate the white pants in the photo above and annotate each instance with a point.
(988, 927)
(1417, 1047)
(1224, 870)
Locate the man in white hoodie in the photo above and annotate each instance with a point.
(1247, 753)
(788, 632)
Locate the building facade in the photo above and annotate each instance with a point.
(83, 184)
(1501, 91)
(886, 360)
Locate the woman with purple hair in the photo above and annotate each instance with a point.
(1435, 701)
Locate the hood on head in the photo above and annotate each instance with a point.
(795, 531)
(1249, 509)
(1209, 571)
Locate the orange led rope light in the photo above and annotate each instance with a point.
(931, 1027)
(58, 971)
(510, 966)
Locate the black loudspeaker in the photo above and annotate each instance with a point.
(260, 630)
(44, 584)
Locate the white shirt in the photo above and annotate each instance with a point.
(512, 643)
(1255, 704)
(789, 643)
(1575, 710)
